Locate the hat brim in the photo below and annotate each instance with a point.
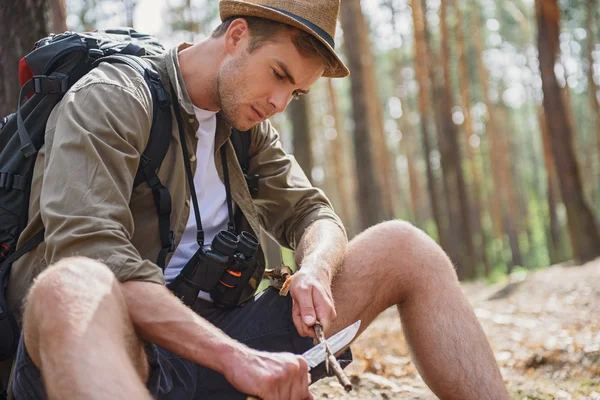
(239, 8)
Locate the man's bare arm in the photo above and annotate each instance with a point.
(321, 248)
(319, 255)
(161, 318)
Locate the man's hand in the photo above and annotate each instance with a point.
(270, 376)
(312, 301)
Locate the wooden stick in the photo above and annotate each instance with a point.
(331, 361)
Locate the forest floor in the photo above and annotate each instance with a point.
(544, 328)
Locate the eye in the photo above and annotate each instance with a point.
(296, 95)
(278, 75)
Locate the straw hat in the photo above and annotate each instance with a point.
(317, 17)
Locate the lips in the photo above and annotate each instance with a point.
(260, 115)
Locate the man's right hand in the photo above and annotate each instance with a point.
(270, 376)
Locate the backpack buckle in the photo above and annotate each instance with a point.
(171, 241)
(50, 84)
(95, 54)
(252, 182)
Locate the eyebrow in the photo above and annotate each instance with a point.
(289, 76)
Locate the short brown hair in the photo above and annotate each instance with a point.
(265, 30)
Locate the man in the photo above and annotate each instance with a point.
(99, 322)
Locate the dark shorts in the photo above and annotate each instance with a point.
(264, 323)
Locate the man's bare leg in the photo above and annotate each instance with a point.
(396, 263)
(78, 333)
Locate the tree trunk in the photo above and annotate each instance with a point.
(514, 217)
(583, 228)
(344, 176)
(452, 165)
(59, 16)
(299, 114)
(371, 190)
(21, 25)
(129, 12)
(465, 94)
(555, 244)
(499, 201)
(593, 87)
(421, 68)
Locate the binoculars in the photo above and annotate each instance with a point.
(223, 269)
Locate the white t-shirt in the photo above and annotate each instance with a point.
(212, 198)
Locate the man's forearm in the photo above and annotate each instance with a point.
(161, 318)
(322, 247)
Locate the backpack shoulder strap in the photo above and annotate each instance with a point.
(156, 149)
(241, 144)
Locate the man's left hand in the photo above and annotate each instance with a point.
(312, 301)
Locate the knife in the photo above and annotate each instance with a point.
(317, 354)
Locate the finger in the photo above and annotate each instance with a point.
(310, 396)
(293, 383)
(303, 329)
(304, 297)
(297, 318)
(325, 309)
(304, 378)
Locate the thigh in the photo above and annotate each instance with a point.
(381, 266)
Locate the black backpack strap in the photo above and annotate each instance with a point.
(27, 247)
(156, 149)
(241, 145)
(9, 329)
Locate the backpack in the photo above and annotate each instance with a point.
(46, 74)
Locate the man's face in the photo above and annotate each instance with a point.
(253, 87)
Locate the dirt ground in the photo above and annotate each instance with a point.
(544, 328)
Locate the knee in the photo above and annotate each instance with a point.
(62, 297)
(65, 286)
(411, 252)
(74, 276)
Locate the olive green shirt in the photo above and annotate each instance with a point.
(82, 190)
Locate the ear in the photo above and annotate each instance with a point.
(237, 35)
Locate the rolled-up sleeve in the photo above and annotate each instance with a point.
(93, 157)
(287, 203)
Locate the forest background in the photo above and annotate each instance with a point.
(477, 121)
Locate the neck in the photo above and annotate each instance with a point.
(199, 65)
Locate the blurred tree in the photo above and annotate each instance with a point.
(592, 86)
(344, 176)
(59, 16)
(407, 143)
(20, 28)
(458, 200)
(129, 11)
(422, 72)
(298, 112)
(556, 243)
(498, 156)
(553, 227)
(371, 182)
(470, 136)
(583, 228)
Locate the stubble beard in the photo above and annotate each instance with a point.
(230, 87)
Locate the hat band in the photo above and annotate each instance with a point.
(324, 35)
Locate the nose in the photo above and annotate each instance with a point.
(279, 101)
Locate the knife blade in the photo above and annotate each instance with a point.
(316, 355)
